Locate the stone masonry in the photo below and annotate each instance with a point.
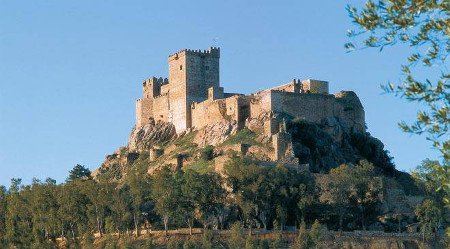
(191, 98)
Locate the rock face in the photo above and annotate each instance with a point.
(150, 134)
(215, 133)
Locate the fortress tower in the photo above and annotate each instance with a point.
(192, 98)
(192, 75)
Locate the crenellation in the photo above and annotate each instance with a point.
(191, 97)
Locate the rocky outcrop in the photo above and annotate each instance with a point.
(150, 134)
(353, 116)
(215, 133)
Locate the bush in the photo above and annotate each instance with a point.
(278, 242)
(236, 240)
(314, 234)
(264, 244)
(174, 244)
(149, 244)
(189, 245)
(302, 240)
(207, 239)
(111, 243)
(88, 240)
(250, 244)
(207, 153)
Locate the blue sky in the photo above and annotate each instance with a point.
(70, 71)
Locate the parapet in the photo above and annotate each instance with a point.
(155, 81)
(212, 52)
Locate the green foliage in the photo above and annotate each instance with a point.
(79, 172)
(356, 186)
(429, 217)
(166, 192)
(423, 26)
(302, 239)
(279, 241)
(434, 178)
(202, 166)
(175, 244)
(88, 240)
(244, 136)
(188, 244)
(266, 193)
(314, 234)
(111, 243)
(149, 244)
(207, 153)
(236, 239)
(207, 239)
(316, 147)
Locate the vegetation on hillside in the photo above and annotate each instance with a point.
(36, 215)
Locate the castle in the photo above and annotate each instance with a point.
(192, 98)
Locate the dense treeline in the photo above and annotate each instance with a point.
(36, 215)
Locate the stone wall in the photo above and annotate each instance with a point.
(192, 98)
(177, 83)
(315, 86)
(144, 111)
(311, 107)
(295, 86)
(260, 103)
(161, 108)
(207, 112)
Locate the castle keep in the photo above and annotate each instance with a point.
(192, 98)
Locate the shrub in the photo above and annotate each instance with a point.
(149, 244)
(207, 153)
(207, 239)
(189, 245)
(278, 242)
(302, 240)
(314, 234)
(236, 240)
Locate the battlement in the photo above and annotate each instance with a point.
(155, 81)
(192, 98)
(212, 52)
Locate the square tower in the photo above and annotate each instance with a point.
(191, 74)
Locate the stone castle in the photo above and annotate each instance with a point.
(192, 98)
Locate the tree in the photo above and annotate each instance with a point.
(424, 27)
(43, 202)
(166, 194)
(366, 188)
(339, 190)
(434, 179)
(203, 197)
(302, 239)
(429, 217)
(139, 190)
(314, 234)
(236, 239)
(18, 216)
(79, 172)
(3, 196)
(72, 212)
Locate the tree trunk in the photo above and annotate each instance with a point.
(99, 227)
(73, 232)
(340, 220)
(362, 218)
(166, 221)
(136, 227)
